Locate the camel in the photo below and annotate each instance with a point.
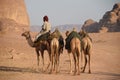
(54, 55)
(86, 49)
(56, 44)
(75, 49)
(40, 46)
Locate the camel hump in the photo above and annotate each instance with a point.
(55, 42)
(75, 41)
(72, 35)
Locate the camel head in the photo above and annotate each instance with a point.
(26, 34)
(67, 33)
(82, 32)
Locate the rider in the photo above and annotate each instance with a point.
(46, 27)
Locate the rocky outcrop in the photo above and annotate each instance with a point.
(110, 21)
(12, 14)
(90, 26)
(103, 30)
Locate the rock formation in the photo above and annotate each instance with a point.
(12, 14)
(109, 23)
(90, 26)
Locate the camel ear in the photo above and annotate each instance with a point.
(28, 31)
(67, 33)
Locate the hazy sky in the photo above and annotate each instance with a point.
(67, 11)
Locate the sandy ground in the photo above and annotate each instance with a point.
(18, 60)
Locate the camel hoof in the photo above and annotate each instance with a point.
(78, 73)
(89, 72)
(74, 74)
(70, 72)
(50, 72)
(82, 68)
(83, 71)
(42, 70)
(54, 72)
(57, 71)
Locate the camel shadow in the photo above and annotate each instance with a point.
(114, 76)
(107, 73)
(18, 69)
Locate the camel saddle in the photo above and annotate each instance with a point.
(43, 37)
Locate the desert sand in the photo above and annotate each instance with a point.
(18, 59)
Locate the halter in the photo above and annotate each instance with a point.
(27, 37)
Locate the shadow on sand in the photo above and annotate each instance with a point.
(107, 73)
(17, 69)
(113, 76)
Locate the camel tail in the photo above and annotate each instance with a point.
(55, 50)
(78, 49)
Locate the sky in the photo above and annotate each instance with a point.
(62, 12)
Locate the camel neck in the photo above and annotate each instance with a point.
(30, 42)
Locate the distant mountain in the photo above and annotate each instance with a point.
(35, 28)
(66, 27)
(62, 28)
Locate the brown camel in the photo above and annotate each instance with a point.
(86, 49)
(54, 55)
(39, 46)
(75, 49)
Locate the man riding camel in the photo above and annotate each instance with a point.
(46, 27)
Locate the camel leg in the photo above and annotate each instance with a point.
(85, 63)
(78, 55)
(70, 58)
(57, 62)
(82, 55)
(74, 57)
(89, 63)
(55, 66)
(37, 57)
(49, 62)
(49, 53)
(57, 59)
(54, 63)
(42, 55)
(37, 52)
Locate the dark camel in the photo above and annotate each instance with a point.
(40, 46)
